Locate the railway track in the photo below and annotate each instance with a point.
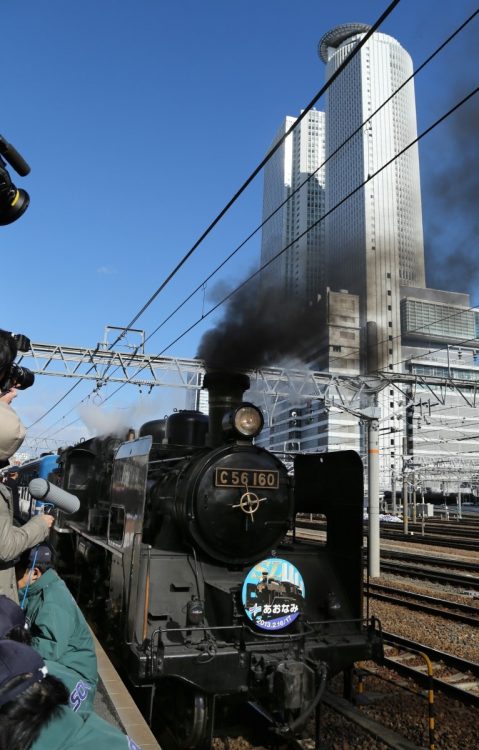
(397, 563)
(449, 562)
(455, 677)
(449, 579)
(433, 536)
(352, 716)
(412, 600)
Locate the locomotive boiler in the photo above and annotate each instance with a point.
(185, 556)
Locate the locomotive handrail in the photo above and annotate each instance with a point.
(244, 628)
(193, 628)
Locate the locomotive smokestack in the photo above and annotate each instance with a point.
(225, 390)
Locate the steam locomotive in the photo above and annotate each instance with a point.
(184, 553)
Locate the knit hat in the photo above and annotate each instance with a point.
(12, 432)
(11, 615)
(23, 662)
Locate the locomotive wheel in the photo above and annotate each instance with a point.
(182, 718)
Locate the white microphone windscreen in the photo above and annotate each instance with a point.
(42, 490)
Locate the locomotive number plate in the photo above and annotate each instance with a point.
(251, 478)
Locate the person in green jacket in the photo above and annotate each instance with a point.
(14, 627)
(59, 631)
(33, 710)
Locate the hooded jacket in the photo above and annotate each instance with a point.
(14, 541)
(70, 732)
(12, 432)
(59, 631)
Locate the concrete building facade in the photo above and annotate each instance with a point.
(374, 239)
(294, 176)
(372, 246)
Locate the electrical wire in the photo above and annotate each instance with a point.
(349, 195)
(243, 187)
(337, 205)
(271, 153)
(271, 260)
(205, 281)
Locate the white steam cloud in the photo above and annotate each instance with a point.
(100, 421)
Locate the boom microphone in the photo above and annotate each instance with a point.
(14, 158)
(42, 490)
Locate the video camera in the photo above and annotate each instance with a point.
(11, 374)
(13, 201)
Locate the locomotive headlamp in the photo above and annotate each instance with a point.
(246, 420)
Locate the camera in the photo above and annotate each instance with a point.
(13, 201)
(11, 374)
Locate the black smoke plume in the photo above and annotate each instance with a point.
(262, 327)
(451, 206)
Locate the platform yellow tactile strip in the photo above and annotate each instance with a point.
(130, 715)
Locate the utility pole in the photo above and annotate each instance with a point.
(413, 488)
(373, 502)
(404, 487)
(393, 492)
(405, 508)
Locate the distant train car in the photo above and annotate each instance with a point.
(437, 497)
(45, 467)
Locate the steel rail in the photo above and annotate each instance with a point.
(468, 693)
(421, 606)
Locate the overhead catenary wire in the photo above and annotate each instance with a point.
(417, 70)
(335, 359)
(323, 164)
(341, 202)
(425, 132)
(270, 153)
(202, 284)
(241, 190)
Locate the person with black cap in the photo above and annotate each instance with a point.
(59, 630)
(14, 540)
(13, 622)
(14, 627)
(33, 709)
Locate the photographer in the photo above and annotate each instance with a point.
(13, 540)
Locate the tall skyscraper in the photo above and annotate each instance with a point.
(374, 239)
(366, 262)
(300, 269)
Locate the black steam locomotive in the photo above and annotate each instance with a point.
(185, 555)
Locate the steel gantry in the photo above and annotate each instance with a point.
(103, 366)
(357, 395)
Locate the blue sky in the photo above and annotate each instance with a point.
(140, 120)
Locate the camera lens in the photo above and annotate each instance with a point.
(21, 377)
